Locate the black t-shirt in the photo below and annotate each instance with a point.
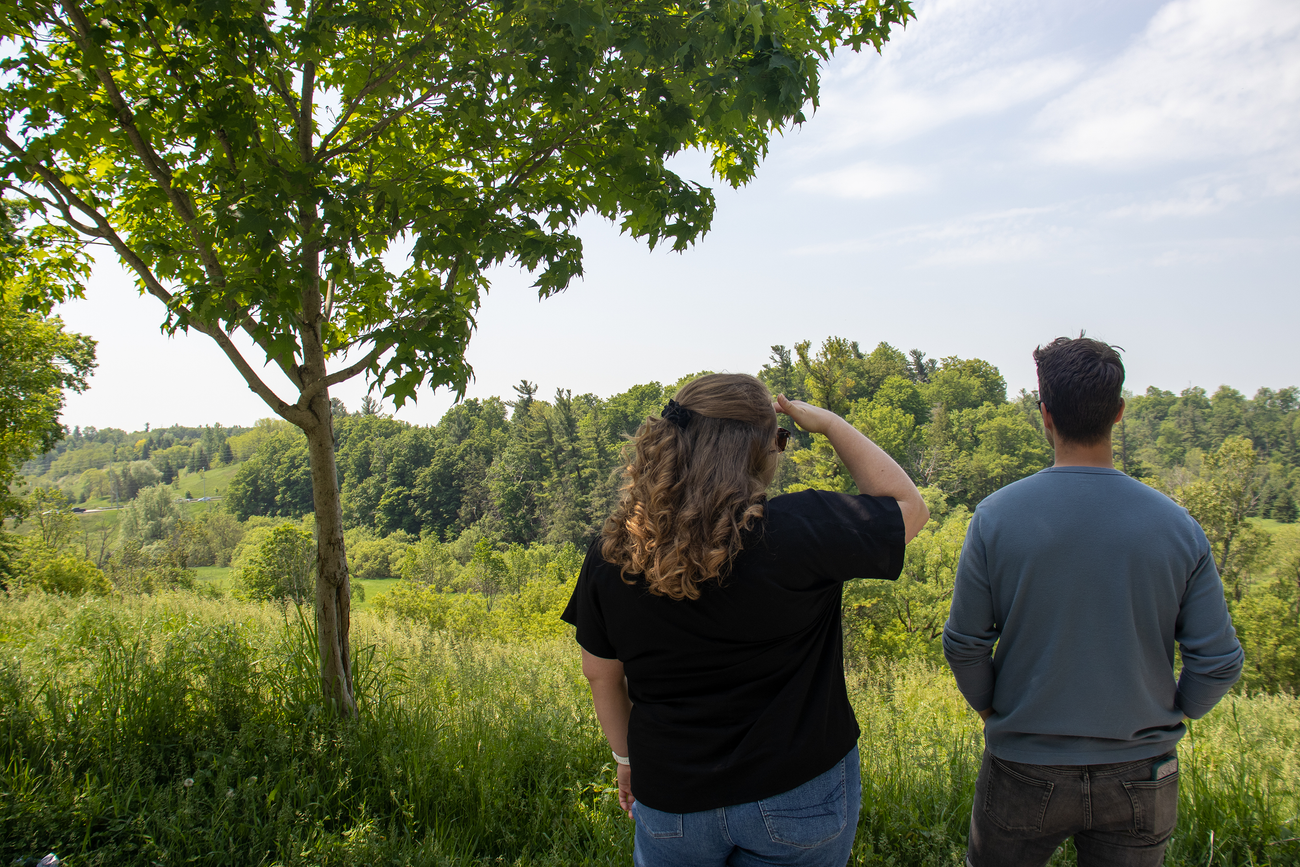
(739, 695)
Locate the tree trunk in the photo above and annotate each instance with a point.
(333, 589)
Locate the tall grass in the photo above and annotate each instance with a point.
(178, 729)
(182, 729)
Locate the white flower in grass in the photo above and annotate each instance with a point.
(230, 793)
(189, 781)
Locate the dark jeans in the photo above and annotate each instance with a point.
(1118, 814)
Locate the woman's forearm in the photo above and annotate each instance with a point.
(613, 710)
(609, 696)
(877, 474)
(873, 470)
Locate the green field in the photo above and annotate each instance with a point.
(220, 578)
(216, 577)
(215, 481)
(102, 514)
(178, 728)
(373, 591)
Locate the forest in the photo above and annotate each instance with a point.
(525, 469)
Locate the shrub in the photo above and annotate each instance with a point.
(213, 538)
(904, 619)
(62, 573)
(282, 567)
(151, 516)
(44, 559)
(1265, 620)
(530, 614)
(371, 558)
(433, 563)
(462, 614)
(137, 568)
(533, 614)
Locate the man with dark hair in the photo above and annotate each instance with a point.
(1084, 579)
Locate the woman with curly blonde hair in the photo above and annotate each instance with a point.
(709, 621)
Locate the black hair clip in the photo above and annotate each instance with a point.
(677, 414)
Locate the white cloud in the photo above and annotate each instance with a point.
(1012, 235)
(1206, 79)
(1015, 235)
(1197, 198)
(1281, 173)
(890, 110)
(958, 60)
(865, 180)
(1211, 251)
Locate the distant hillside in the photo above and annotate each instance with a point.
(526, 469)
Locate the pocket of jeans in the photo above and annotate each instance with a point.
(1155, 806)
(1013, 801)
(809, 815)
(657, 823)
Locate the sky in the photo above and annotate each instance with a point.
(1005, 172)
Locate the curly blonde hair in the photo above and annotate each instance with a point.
(691, 492)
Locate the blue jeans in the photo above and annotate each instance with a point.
(812, 825)
(1120, 815)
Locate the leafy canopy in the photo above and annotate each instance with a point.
(38, 361)
(259, 165)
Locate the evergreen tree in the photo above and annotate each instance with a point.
(525, 392)
(1284, 508)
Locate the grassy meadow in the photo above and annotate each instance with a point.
(222, 580)
(185, 728)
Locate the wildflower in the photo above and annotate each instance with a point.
(230, 793)
(189, 781)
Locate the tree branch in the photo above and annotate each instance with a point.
(341, 375)
(398, 324)
(375, 129)
(350, 109)
(374, 354)
(373, 84)
(61, 205)
(306, 123)
(103, 229)
(154, 163)
(539, 157)
(278, 84)
(286, 93)
(161, 172)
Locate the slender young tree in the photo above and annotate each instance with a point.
(253, 163)
(39, 361)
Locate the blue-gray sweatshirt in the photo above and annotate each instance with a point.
(1085, 578)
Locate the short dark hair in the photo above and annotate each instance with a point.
(1080, 381)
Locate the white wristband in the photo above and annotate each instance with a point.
(622, 760)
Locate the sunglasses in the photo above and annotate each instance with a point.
(782, 439)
